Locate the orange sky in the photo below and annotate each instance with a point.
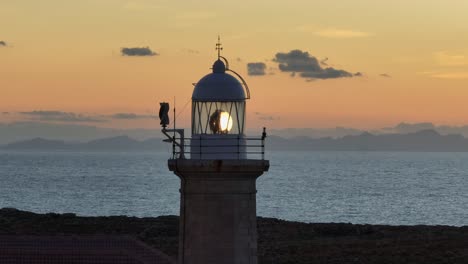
(65, 56)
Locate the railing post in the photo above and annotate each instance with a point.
(238, 148)
(264, 134)
(173, 147)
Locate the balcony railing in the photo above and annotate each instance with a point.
(215, 146)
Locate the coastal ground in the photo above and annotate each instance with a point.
(280, 241)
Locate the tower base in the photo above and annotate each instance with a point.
(218, 217)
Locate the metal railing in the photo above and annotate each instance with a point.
(203, 147)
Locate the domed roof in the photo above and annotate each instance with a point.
(219, 86)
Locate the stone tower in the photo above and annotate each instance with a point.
(218, 173)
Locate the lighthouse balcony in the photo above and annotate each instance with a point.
(219, 147)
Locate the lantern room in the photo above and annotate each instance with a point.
(218, 104)
(218, 114)
(218, 118)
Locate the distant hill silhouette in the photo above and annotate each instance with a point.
(38, 143)
(119, 143)
(425, 140)
(20, 131)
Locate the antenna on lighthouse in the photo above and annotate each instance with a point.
(173, 137)
(219, 47)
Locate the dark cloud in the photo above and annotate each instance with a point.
(3, 43)
(256, 68)
(385, 75)
(145, 51)
(327, 73)
(307, 66)
(411, 128)
(130, 116)
(61, 116)
(358, 74)
(76, 117)
(124, 116)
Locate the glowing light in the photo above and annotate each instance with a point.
(225, 121)
(221, 122)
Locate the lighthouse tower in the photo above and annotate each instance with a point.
(218, 167)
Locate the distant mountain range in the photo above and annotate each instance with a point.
(425, 140)
(119, 143)
(20, 131)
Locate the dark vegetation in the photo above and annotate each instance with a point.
(279, 241)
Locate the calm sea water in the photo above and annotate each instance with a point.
(357, 187)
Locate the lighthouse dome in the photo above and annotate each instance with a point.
(219, 86)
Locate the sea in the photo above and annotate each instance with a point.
(394, 188)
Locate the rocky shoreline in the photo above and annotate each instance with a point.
(279, 242)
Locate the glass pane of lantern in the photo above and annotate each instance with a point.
(218, 117)
(196, 118)
(241, 115)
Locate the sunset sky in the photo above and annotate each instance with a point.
(400, 60)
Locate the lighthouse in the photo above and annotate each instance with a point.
(218, 167)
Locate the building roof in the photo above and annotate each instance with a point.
(219, 86)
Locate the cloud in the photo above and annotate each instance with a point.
(451, 75)
(297, 61)
(76, 117)
(341, 33)
(5, 113)
(324, 62)
(332, 32)
(445, 58)
(256, 68)
(145, 51)
(385, 75)
(445, 75)
(358, 74)
(411, 128)
(3, 43)
(192, 51)
(266, 117)
(130, 116)
(61, 116)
